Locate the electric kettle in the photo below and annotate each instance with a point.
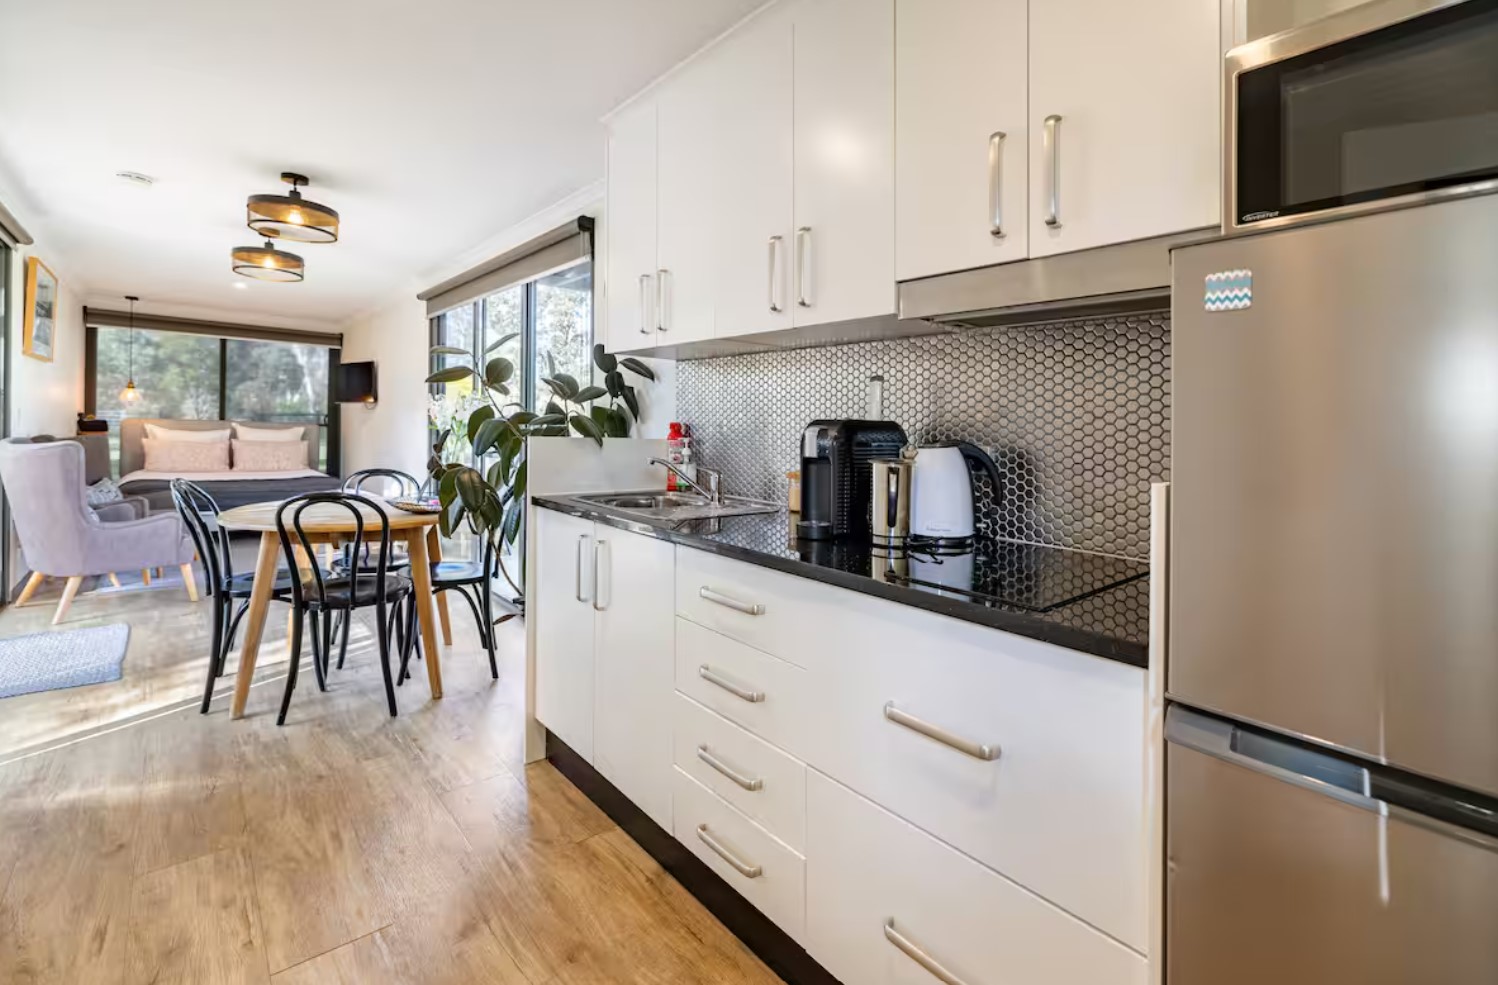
(941, 509)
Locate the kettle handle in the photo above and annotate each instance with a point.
(985, 461)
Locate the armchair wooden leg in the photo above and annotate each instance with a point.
(190, 580)
(69, 592)
(145, 576)
(114, 579)
(29, 589)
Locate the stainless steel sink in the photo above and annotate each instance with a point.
(676, 506)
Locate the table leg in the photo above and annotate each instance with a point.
(421, 574)
(260, 595)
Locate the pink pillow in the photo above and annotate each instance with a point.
(185, 456)
(269, 456)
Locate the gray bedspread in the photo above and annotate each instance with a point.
(229, 493)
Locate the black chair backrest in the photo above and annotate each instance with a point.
(199, 512)
(364, 520)
(407, 484)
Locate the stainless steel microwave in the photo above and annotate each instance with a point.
(1385, 104)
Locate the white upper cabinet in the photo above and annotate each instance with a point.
(1124, 110)
(687, 119)
(755, 164)
(630, 226)
(962, 124)
(843, 249)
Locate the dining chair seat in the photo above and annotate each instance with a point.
(362, 590)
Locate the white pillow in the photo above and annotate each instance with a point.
(269, 456)
(174, 434)
(185, 456)
(243, 433)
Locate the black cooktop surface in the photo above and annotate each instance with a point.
(1026, 576)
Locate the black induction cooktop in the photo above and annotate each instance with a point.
(1026, 576)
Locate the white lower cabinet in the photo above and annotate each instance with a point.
(761, 868)
(887, 904)
(563, 617)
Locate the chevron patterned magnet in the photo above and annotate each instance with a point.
(1230, 290)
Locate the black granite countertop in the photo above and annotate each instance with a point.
(1094, 603)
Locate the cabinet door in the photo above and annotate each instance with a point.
(1136, 89)
(634, 661)
(686, 125)
(564, 628)
(843, 247)
(630, 219)
(962, 135)
(755, 163)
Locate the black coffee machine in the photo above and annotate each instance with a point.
(836, 476)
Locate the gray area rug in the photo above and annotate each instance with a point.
(69, 658)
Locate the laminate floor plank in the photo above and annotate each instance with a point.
(197, 922)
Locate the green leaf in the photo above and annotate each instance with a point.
(547, 420)
(614, 383)
(551, 364)
(449, 350)
(447, 488)
(497, 343)
(471, 489)
(478, 417)
(605, 362)
(498, 388)
(617, 424)
(638, 368)
(451, 374)
(521, 418)
(498, 371)
(517, 484)
(600, 417)
(488, 434)
(632, 402)
(562, 385)
(552, 407)
(589, 393)
(587, 428)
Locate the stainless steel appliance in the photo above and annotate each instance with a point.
(1332, 757)
(890, 507)
(836, 476)
(1389, 102)
(942, 496)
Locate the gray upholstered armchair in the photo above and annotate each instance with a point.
(62, 537)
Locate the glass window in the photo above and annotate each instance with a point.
(176, 376)
(563, 327)
(276, 381)
(504, 314)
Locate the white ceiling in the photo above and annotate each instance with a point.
(430, 125)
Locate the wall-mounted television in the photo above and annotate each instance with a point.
(356, 383)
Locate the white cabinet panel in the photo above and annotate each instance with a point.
(564, 628)
(687, 227)
(633, 667)
(962, 134)
(867, 870)
(1137, 89)
(844, 152)
(755, 165)
(762, 693)
(630, 222)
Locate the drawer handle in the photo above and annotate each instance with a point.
(750, 783)
(719, 849)
(977, 750)
(914, 952)
(737, 690)
(748, 608)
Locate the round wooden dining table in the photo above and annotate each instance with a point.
(331, 524)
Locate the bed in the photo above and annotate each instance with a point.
(229, 489)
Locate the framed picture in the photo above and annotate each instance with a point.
(39, 330)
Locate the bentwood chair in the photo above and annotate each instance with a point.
(477, 576)
(316, 598)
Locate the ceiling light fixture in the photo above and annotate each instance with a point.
(291, 216)
(267, 263)
(130, 394)
(136, 178)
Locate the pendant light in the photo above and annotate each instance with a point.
(266, 263)
(292, 216)
(130, 394)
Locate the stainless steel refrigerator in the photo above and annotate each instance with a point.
(1332, 753)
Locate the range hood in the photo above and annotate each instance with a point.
(1108, 280)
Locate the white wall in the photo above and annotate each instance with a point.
(45, 398)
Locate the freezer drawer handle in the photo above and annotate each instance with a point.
(750, 783)
(737, 690)
(719, 849)
(747, 608)
(914, 952)
(978, 750)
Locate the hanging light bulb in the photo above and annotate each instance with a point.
(291, 216)
(130, 394)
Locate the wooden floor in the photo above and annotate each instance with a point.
(347, 847)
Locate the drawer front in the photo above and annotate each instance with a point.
(762, 870)
(748, 772)
(762, 693)
(770, 610)
(882, 897)
(1026, 756)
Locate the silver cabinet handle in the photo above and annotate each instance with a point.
(750, 783)
(776, 242)
(977, 750)
(600, 557)
(1051, 143)
(662, 300)
(644, 304)
(996, 184)
(737, 690)
(914, 952)
(748, 608)
(582, 540)
(803, 267)
(719, 849)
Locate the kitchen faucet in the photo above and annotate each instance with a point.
(709, 482)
